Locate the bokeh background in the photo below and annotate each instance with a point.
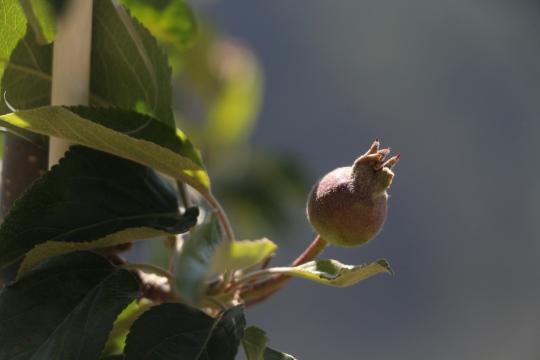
(453, 85)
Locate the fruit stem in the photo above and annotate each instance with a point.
(258, 292)
(184, 195)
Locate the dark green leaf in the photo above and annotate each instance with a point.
(177, 331)
(225, 339)
(195, 261)
(17, 63)
(27, 80)
(129, 69)
(123, 133)
(87, 196)
(64, 308)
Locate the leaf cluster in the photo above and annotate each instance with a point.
(124, 180)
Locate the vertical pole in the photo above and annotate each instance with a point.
(23, 161)
(71, 64)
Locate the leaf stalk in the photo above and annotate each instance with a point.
(260, 291)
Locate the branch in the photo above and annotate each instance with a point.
(23, 162)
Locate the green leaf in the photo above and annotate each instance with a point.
(254, 343)
(88, 196)
(64, 308)
(177, 331)
(193, 266)
(27, 79)
(12, 29)
(172, 22)
(27, 82)
(129, 69)
(241, 254)
(334, 273)
(118, 335)
(41, 15)
(53, 248)
(123, 133)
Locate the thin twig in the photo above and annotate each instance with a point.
(186, 203)
(184, 195)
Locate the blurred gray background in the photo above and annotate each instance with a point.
(454, 87)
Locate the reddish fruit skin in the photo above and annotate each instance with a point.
(348, 206)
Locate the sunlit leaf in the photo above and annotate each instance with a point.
(41, 15)
(64, 308)
(118, 335)
(334, 273)
(177, 331)
(86, 197)
(12, 29)
(242, 254)
(123, 133)
(53, 248)
(172, 23)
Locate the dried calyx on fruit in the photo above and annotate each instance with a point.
(347, 207)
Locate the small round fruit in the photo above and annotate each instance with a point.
(347, 207)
